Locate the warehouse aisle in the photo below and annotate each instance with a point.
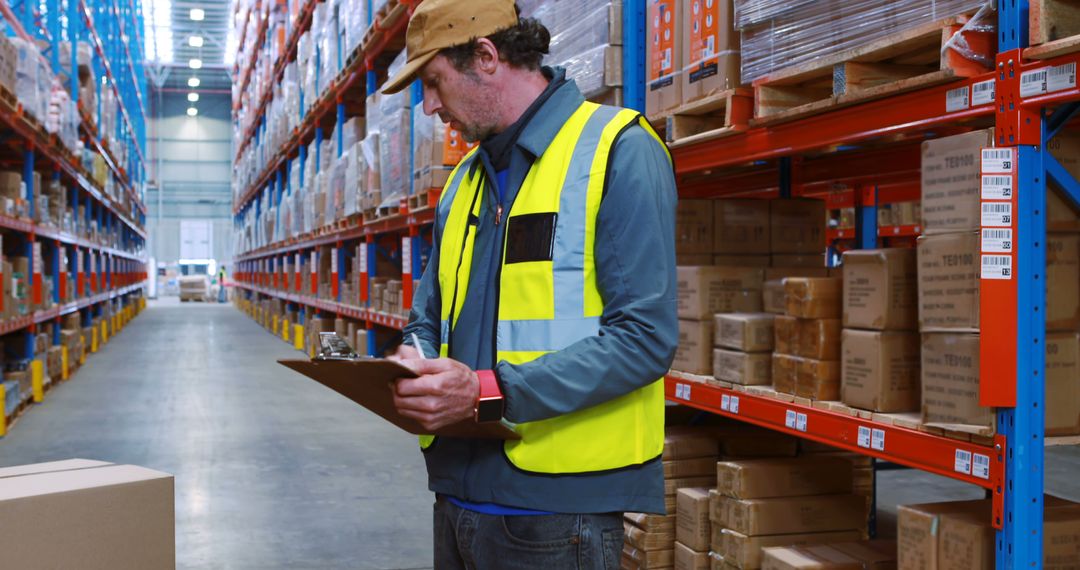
(272, 470)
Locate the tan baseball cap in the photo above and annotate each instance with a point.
(440, 24)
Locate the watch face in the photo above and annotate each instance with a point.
(489, 410)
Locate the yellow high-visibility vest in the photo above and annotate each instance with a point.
(547, 304)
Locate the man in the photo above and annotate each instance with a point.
(549, 293)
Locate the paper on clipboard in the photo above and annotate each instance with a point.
(366, 381)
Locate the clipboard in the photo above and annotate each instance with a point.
(366, 381)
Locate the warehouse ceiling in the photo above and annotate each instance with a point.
(188, 38)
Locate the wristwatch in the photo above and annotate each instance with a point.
(489, 402)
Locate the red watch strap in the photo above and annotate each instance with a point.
(489, 385)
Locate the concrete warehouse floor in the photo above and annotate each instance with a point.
(273, 470)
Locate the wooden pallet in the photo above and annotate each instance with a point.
(718, 115)
(1053, 21)
(424, 199)
(8, 97)
(901, 62)
(383, 20)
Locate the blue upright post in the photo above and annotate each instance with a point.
(340, 129)
(866, 229)
(634, 54)
(28, 179)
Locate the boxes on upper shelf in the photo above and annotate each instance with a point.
(710, 49)
(694, 353)
(742, 227)
(881, 370)
(706, 290)
(880, 289)
(950, 381)
(747, 368)
(663, 89)
(797, 226)
(694, 227)
(746, 332)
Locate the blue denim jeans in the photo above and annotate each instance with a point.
(469, 540)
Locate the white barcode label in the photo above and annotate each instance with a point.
(406, 255)
(996, 214)
(997, 240)
(800, 422)
(982, 93)
(1033, 82)
(314, 262)
(997, 160)
(710, 47)
(957, 99)
(333, 260)
(734, 404)
(877, 441)
(78, 259)
(962, 462)
(997, 267)
(1061, 77)
(980, 466)
(997, 187)
(682, 391)
(790, 418)
(725, 403)
(864, 437)
(363, 258)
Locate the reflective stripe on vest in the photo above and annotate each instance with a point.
(548, 305)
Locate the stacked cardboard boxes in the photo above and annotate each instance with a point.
(880, 343)
(806, 362)
(704, 291)
(862, 555)
(743, 353)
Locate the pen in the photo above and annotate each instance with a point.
(420, 349)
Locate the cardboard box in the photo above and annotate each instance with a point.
(795, 515)
(774, 299)
(710, 46)
(694, 226)
(651, 523)
(1062, 383)
(808, 265)
(635, 559)
(672, 486)
(951, 176)
(878, 554)
(746, 368)
(881, 370)
(741, 260)
(687, 443)
(742, 226)
(705, 291)
(694, 353)
(696, 467)
(797, 226)
(745, 552)
(747, 332)
(949, 281)
(807, 557)
(663, 90)
(110, 516)
(694, 259)
(647, 541)
(1063, 279)
(814, 297)
(817, 379)
(786, 335)
(880, 289)
(692, 518)
(1060, 216)
(818, 338)
(785, 370)
(950, 380)
(783, 477)
(687, 558)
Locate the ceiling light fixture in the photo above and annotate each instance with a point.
(192, 111)
(193, 82)
(197, 14)
(195, 63)
(195, 41)
(193, 97)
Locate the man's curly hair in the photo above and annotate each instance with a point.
(523, 46)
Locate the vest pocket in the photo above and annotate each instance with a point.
(530, 237)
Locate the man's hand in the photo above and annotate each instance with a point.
(445, 392)
(403, 352)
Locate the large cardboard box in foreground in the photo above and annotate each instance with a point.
(706, 290)
(1063, 383)
(881, 370)
(951, 168)
(783, 477)
(950, 381)
(880, 290)
(88, 515)
(949, 281)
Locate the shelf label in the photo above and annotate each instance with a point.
(997, 267)
(363, 258)
(864, 437)
(1033, 82)
(734, 404)
(980, 466)
(333, 260)
(997, 214)
(982, 93)
(957, 99)
(877, 440)
(790, 418)
(800, 422)
(314, 262)
(1061, 77)
(406, 255)
(725, 403)
(997, 240)
(962, 462)
(997, 187)
(682, 391)
(997, 161)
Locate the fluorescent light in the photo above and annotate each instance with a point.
(195, 63)
(193, 82)
(197, 14)
(192, 111)
(193, 97)
(195, 41)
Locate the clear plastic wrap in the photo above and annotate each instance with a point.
(591, 70)
(594, 28)
(779, 33)
(394, 151)
(582, 33)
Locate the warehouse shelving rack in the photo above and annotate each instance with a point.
(404, 238)
(102, 274)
